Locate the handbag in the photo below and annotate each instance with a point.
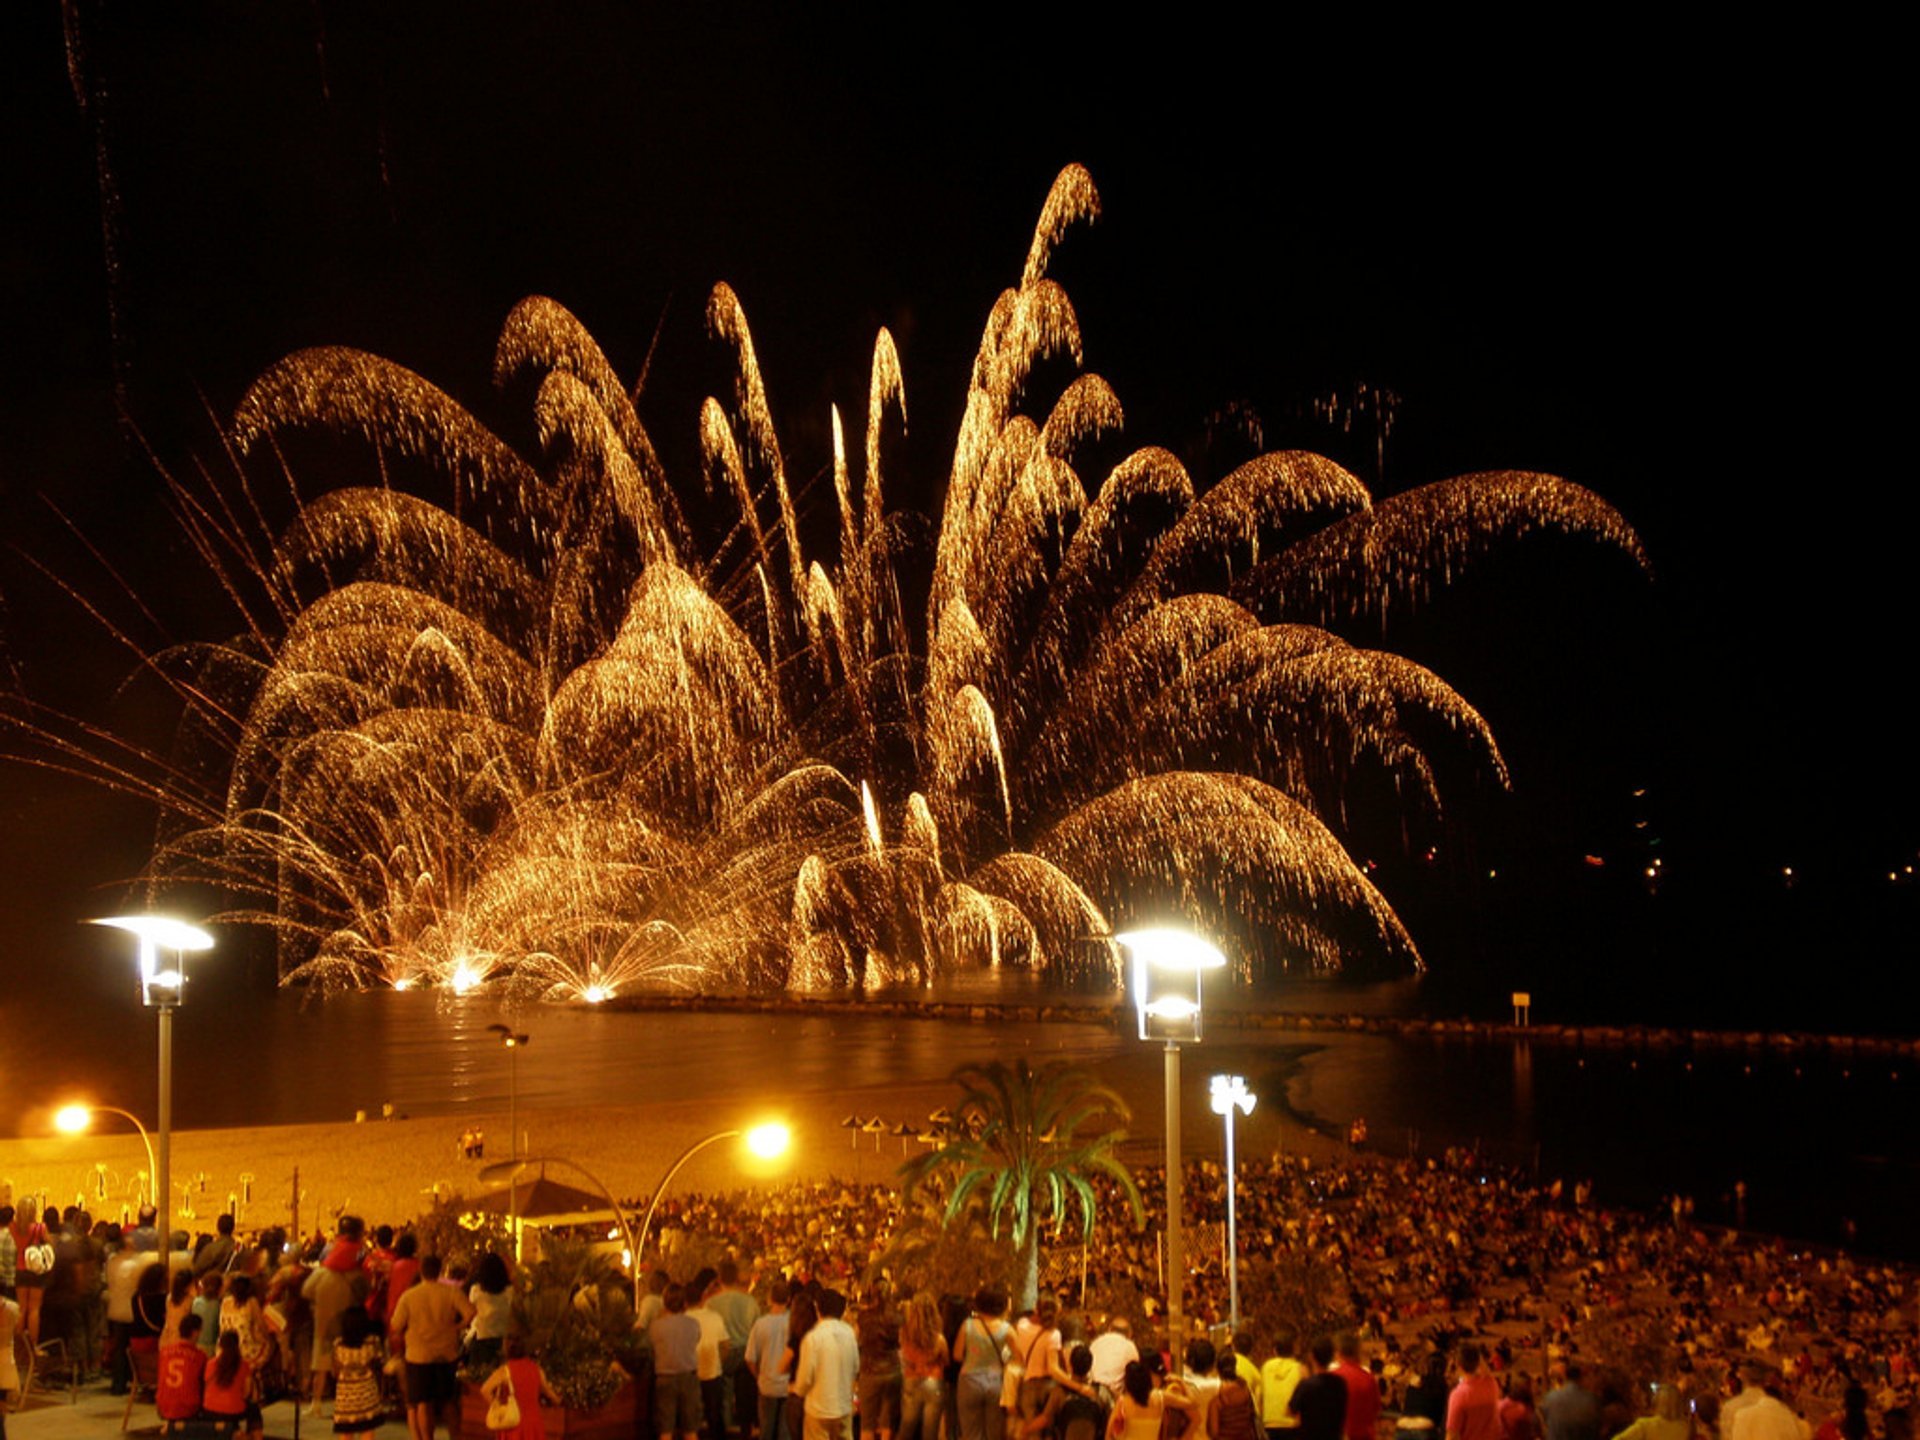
(504, 1413)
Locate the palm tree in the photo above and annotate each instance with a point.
(1028, 1144)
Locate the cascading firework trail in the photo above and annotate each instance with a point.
(534, 739)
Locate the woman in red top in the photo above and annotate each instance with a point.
(520, 1377)
(227, 1386)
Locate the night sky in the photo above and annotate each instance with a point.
(1659, 265)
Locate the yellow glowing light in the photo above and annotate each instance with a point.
(1173, 949)
(72, 1119)
(405, 982)
(595, 994)
(168, 934)
(463, 979)
(769, 1141)
(1173, 1007)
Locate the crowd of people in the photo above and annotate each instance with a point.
(1444, 1296)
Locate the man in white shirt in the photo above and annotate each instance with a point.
(712, 1355)
(1113, 1351)
(829, 1362)
(123, 1275)
(1768, 1419)
(1753, 1377)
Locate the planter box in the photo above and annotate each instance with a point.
(618, 1419)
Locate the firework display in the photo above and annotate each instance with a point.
(567, 735)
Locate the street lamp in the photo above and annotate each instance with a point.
(1164, 961)
(508, 1169)
(764, 1142)
(513, 1041)
(1230, 1093)
(75, 1119)
(161, 990)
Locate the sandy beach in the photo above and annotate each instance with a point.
(390, 1169)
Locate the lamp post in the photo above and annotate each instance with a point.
(1164, 961)
(162, 990)
(1230, 1093)
(76, 1118)
(764, 1141)
(513, 1040)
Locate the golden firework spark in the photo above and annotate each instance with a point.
(538, 738)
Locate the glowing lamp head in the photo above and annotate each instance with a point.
(1167, 966)
(155, 933)
(1170, 949)
(1228, 1091)
(72, 1119)
(1173, 1007)
(769, 1141)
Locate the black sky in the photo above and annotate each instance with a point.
(1659, 264)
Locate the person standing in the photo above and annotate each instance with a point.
(829, 1366)
(879, 1333)
(124, 1265)
(1036, 1346)
(675, 1338)
(1571, 1411)
(734, 1304)
(1232, 1413)
(1518, 1419)
(1113, 1351)
(9, 1253)
(1320, 1399)
(492, 1297)
(981, 1350)
(1753, 1383)
(766, 1345)
(426, 1326)
(1473, 1409)
(217, 1253)
(357, 1356)
(9, 1367)
(1199, 1381)
(520, 1376)
(1074, 1407)
(923, 1369)
(1769, 1419)
(1278, 1377)
(712, 1354)
(329, 1294)
(1363, 1391)
(35, 1260)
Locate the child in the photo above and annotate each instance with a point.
(182, 1367)
(207, 1306)
(226, 1387)
(357, 1357)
